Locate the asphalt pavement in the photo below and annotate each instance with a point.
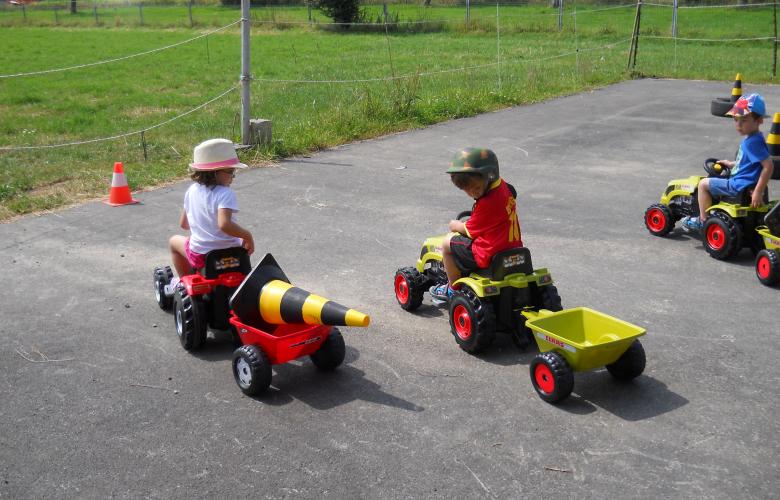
(98, 399)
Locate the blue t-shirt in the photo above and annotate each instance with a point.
(747, 169)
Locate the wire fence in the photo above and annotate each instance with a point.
(500, 22)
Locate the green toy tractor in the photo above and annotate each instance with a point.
(731, 223)
(768, 259)
(488, 300)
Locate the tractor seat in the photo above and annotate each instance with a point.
(226, 260)
(511, 261)
(743, 197)
(772, 220)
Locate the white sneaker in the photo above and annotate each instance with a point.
(170, 288)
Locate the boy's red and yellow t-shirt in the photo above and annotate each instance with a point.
(493, 225)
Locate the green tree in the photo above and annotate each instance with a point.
(341, 11)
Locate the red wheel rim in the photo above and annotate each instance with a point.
(401, 288)
(716, 237)
(544, 378)
(656, 220)
(462, 320)
(762, 267)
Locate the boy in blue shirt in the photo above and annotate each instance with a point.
(753, 164)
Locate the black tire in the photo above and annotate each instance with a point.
(189, 315)
(472, 321)
(251, 369)
(521, 335)
(720, 106)
(630, 364)
(331, 353)
(551, 376)
(768, 267)
(409, 286)
(550, 298)
(163, 276)
(659, 219)
(722, 236)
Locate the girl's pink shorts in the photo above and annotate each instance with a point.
(196, 260)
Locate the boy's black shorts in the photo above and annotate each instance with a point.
(461, 250)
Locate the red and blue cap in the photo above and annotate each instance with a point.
(752, 103)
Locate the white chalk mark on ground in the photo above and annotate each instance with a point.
(487, 490)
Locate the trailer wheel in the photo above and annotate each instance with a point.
(722, 236)
(251, 369)
(631, 364)
(768, 267)
(409, 288)
(659, 220)
(162, 276)
(189, 314)
(471, 321)
(551, 376)
(331, 353)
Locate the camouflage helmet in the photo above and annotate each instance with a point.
(475, 160)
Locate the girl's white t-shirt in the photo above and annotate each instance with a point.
(201, 204)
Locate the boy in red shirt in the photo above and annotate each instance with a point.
(493, 224)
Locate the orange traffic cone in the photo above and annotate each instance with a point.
(120, 191)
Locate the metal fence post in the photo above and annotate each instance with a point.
(94, 11)
(246, 77)
(560, 15)
(141, 12)
(674, 18)
(384, 11)
(308, 8)
(56, 15)
(468, 11)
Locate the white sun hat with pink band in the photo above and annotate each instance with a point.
(215, 154)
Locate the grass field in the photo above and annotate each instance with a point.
(537, 62)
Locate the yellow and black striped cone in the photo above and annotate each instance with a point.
(266, 297)
(773, 138)
(736, 90)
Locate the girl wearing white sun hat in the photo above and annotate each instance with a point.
(209, 204)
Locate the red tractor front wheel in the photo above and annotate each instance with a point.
(659, 220)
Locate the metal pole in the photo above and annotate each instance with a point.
(560, 15)
(384, 11)
(94, 11)
(774, 48)
(56, 15)
(24, 11)
(633, 35)
(189, 10)
(638, 24)
(308, 8)
(468, 12)
(141, 12)
(246, 77)
(674, 19)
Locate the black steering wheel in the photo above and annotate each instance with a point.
(715, 169)
(463, 215)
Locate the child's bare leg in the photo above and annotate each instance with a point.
(452, 269)
(705, 199)
(179, 255)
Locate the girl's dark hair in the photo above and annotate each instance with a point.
(463, 179)
(206, 177)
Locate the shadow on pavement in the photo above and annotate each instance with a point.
(325, 390)
(640, 399)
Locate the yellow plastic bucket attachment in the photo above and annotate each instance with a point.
(587, 339)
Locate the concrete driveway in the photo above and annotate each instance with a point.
(98, 399)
